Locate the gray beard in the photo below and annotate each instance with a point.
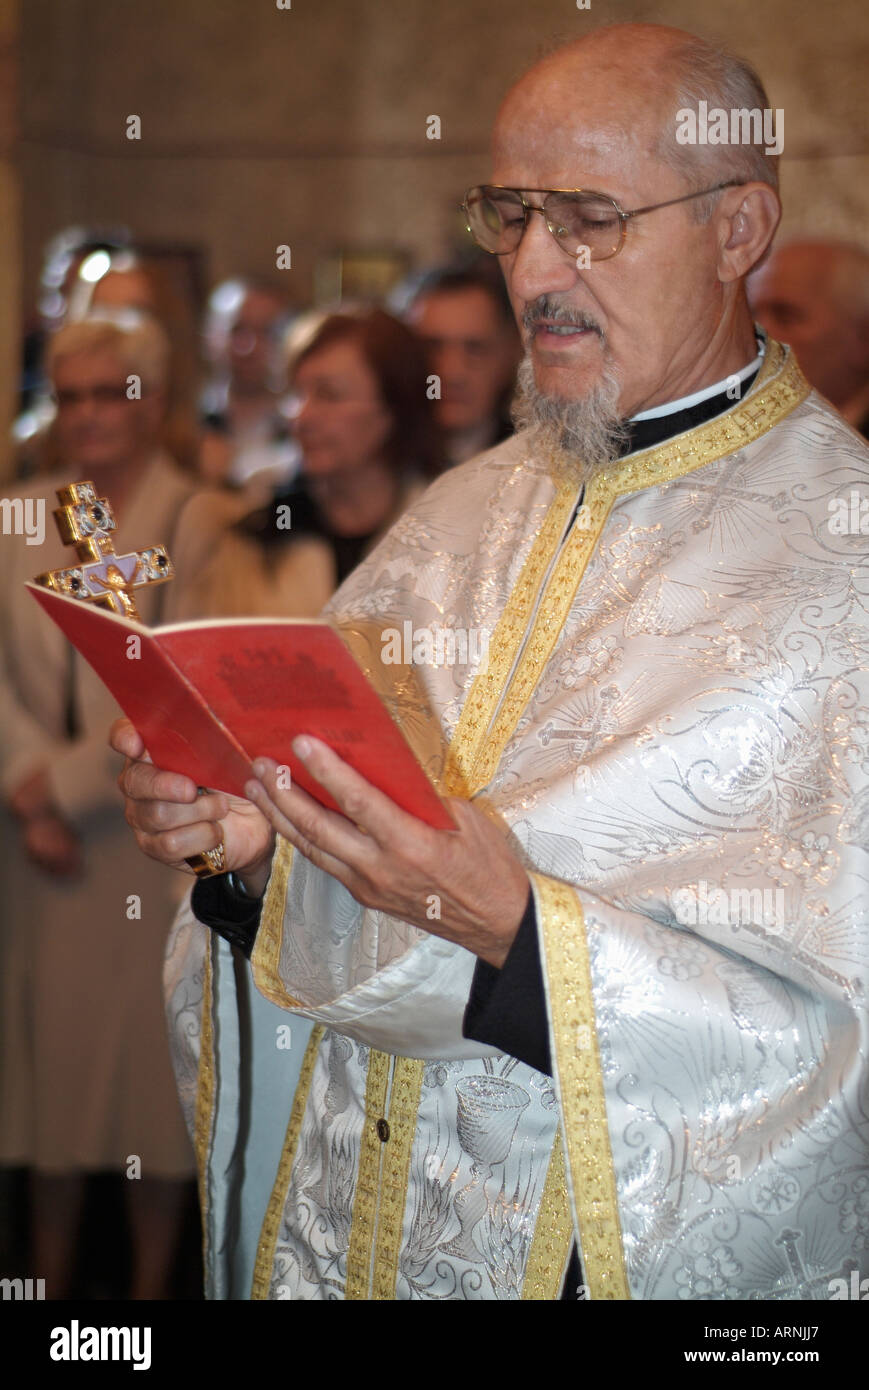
(582, 437)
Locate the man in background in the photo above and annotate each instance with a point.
(815, 296)
(464, 319)
(246, 438)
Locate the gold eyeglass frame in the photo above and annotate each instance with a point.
(621, 213)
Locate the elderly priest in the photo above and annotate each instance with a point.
(607, 1038)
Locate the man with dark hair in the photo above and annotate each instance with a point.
(464, 318)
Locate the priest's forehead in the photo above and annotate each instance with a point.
(597, 109)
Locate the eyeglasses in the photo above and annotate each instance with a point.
(577, 218)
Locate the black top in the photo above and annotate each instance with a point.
(306, 519)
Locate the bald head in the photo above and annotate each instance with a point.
(629, 101)
(627, 57)
(663, 312)
(643, 74)
(814, 294)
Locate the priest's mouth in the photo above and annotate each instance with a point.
(562, 330)
(558, 332)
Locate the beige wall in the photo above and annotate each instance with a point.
(307, 126)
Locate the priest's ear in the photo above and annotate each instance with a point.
(747, 217)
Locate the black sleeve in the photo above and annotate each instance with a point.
(233, 915)
(507, 1007)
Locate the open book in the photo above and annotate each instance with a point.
(209, 697)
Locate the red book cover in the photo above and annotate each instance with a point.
(209, 697)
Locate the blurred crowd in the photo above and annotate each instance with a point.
(268, 448)
(206, 431)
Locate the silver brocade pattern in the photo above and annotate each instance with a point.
(701, 728)
(474, 1185)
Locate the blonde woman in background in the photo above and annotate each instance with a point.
(86, 1085)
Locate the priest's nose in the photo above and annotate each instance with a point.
(538, 265)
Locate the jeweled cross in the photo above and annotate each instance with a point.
(103, 577)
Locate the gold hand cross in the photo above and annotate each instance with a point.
(104, 578)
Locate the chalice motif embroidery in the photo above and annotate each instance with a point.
(489, 1109)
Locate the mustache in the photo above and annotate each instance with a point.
(547, 308)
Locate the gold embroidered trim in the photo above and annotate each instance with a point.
(474, 753)
(486, 688)
(403, 1108)
(763, 408)
(577, 1067)
(265, 1254)
(266, 955)
(553, 1234)
(202, 1120)
(364, 1218)
(780, 387)
(551, 615)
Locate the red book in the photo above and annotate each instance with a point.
(209, 697)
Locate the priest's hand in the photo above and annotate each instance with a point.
(171, 821)
(465, 885)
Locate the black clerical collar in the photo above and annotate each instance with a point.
(645, 434)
